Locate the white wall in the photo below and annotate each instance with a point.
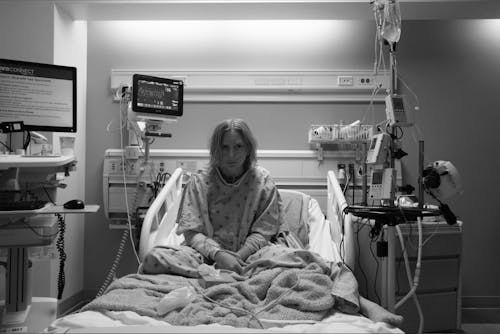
(70, 49)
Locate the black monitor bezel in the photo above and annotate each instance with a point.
(70, 69)
(162, 112)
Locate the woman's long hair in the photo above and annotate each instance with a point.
(239, 126)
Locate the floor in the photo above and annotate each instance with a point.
(481, 320)
(472, 328)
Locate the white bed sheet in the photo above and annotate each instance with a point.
(130, 322)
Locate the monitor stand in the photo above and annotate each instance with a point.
(21, 312)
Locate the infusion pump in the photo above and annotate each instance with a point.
(126, 173)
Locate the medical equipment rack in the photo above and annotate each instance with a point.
(21, 229)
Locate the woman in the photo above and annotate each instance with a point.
(229, 211)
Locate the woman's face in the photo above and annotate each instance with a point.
(234, 154)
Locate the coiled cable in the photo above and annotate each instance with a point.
(61, 278)
(115, 264)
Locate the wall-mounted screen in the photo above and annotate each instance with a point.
(42, 96)
(155, 97)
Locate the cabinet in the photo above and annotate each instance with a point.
(439, 289)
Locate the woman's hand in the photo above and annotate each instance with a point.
(228, 261)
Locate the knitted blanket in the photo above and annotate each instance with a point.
(294, 285)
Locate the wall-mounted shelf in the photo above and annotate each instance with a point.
(269, 86)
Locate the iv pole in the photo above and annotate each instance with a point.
(391, 230)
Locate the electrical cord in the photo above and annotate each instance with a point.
(342, 241)
(120, 94)
(27, 140)
(360, 227)
(61, 278)
(116, 263)
(127, 233)
(130, 234)
(377, 267)
(346, 184)
(250, 313)
(414, 283)
(6, 146)
(38, 233)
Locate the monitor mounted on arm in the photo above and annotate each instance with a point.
(156, 102)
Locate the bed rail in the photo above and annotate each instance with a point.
(341, 224)
(161, 216)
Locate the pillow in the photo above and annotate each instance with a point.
(320, 238)
(295, 208)
(306, 220)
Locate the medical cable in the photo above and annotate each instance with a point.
(415, 96)
(377, 267)
(26, 140)
(378, 17)
(41, 235)
(431, 235)
(61, 278)
(405, 253)
(110, 277)
(125, 190)
(6, 146)
(342, 250)
(232, 308)
(251, 314)
(416, 278)
(370, 108)
(361, 225)
(346, 184)
(120, 94)
(415, 126)
(127, 232)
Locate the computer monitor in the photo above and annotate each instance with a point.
(42, 96)
(157, 98)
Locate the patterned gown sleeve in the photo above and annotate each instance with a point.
(194, 221)
(268, 217)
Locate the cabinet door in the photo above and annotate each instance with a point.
(439, 309)
(437, 275)
(441, 244)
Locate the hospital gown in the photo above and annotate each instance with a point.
(217, 215)
(229, 216)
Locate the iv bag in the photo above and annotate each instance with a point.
(391, 28)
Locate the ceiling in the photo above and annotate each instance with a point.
(271, 9)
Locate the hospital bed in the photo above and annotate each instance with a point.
(131, 303)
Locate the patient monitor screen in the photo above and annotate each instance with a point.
(42, 96)
(155, 95)
(377, 177)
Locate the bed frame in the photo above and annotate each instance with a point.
(161, 217)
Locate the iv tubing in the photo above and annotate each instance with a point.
(412, 292)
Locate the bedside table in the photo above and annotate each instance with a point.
(439, 289)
